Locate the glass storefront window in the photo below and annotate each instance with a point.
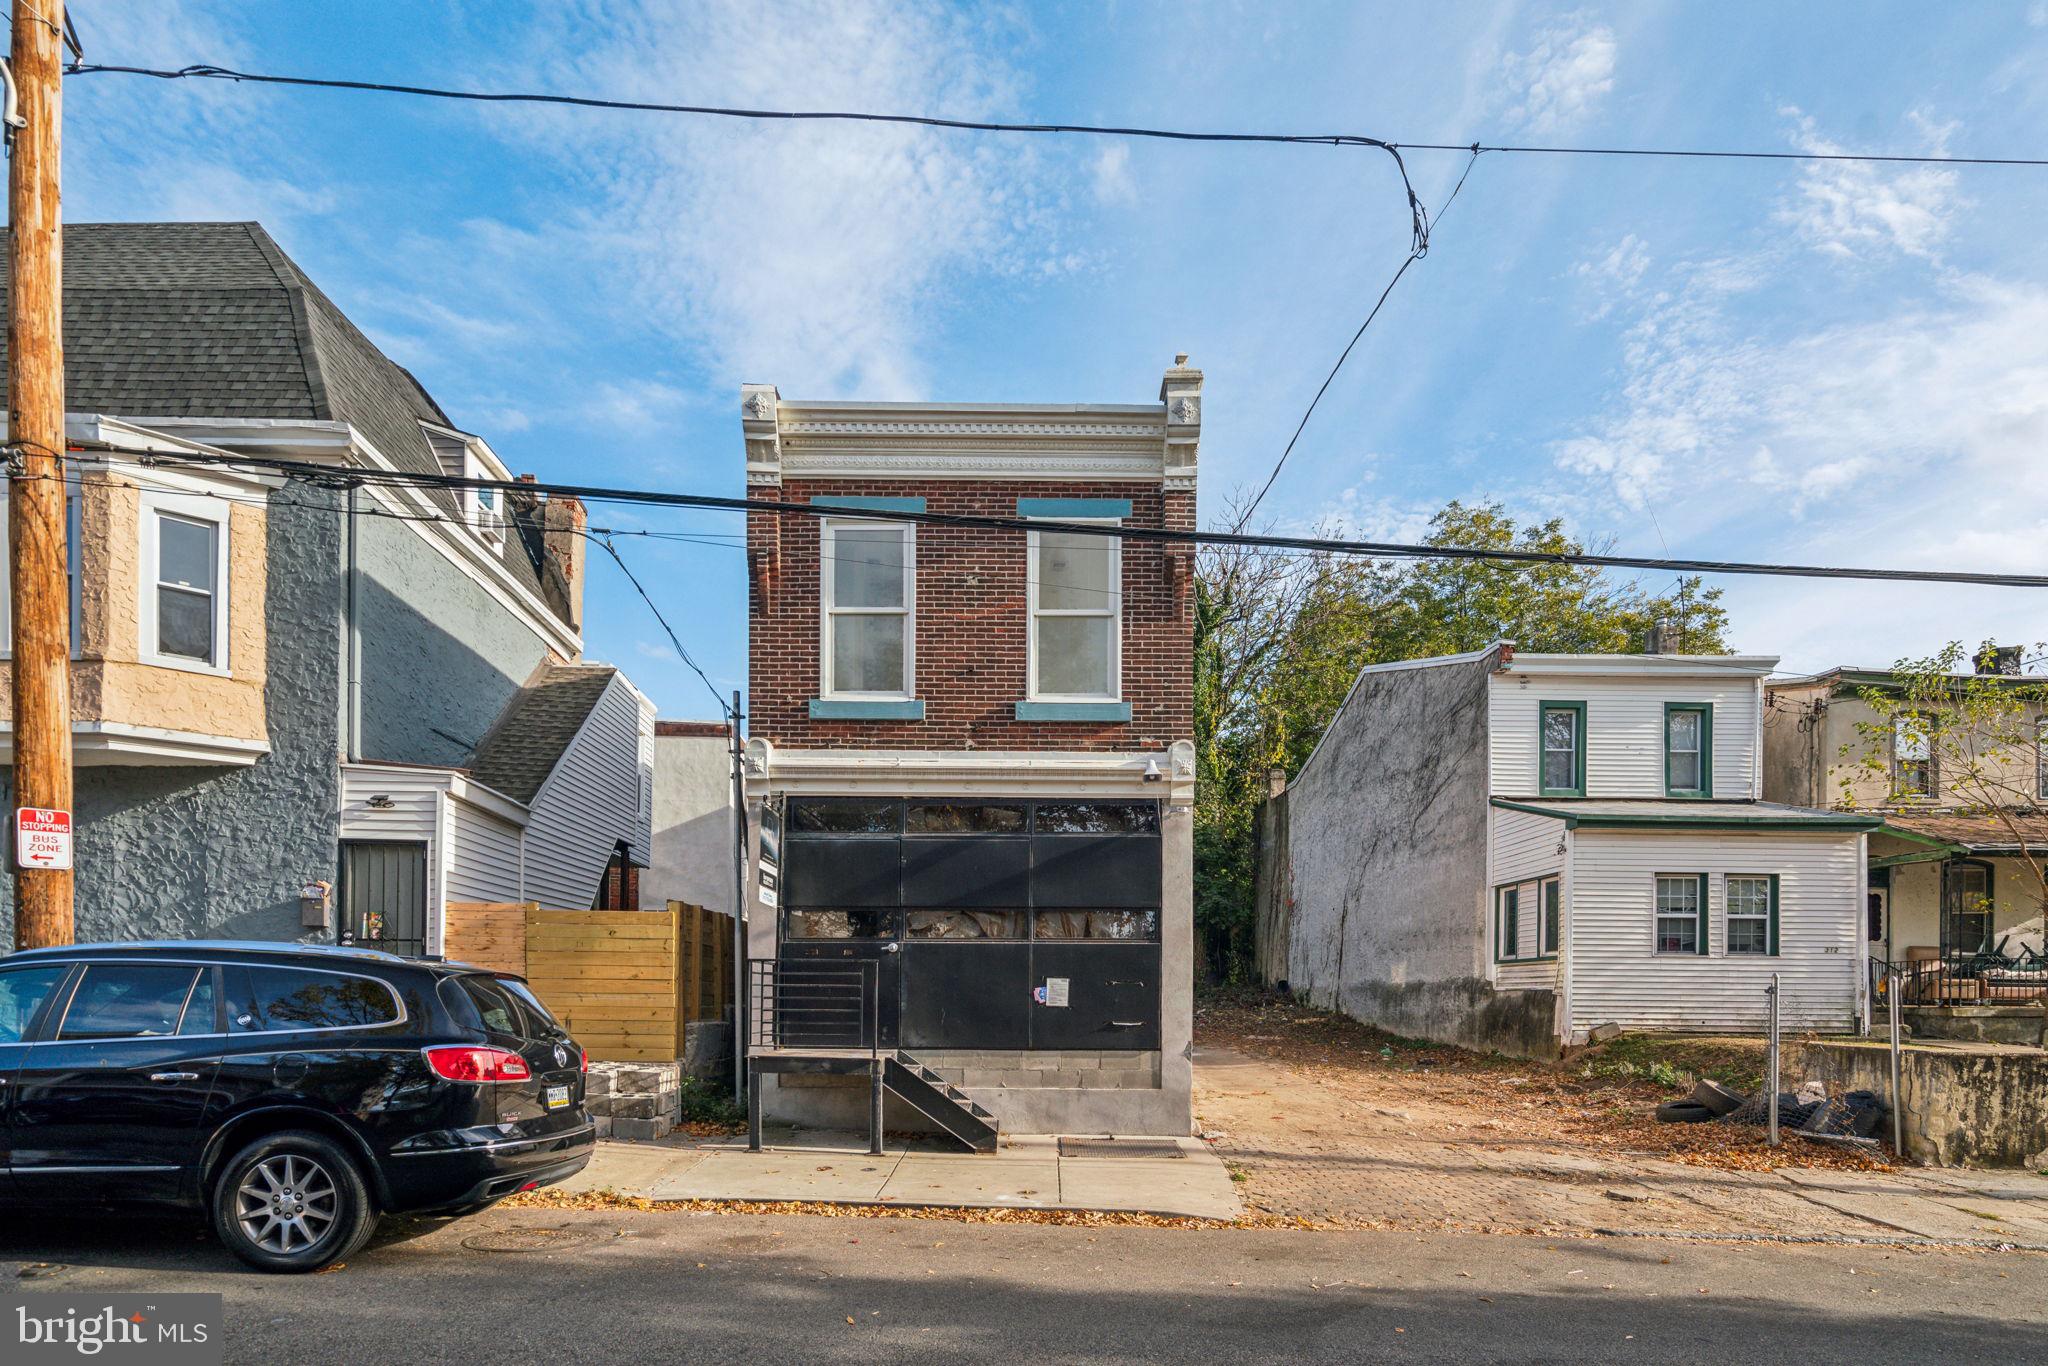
(1134, 926)
(846, 816)
(863, 923)
(966, 818)
(1098, 818)
(965, 924)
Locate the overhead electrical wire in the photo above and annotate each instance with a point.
(421, 480)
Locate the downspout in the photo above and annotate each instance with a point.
(352, 642)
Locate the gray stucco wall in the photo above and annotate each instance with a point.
(426, 695)
(693, 830)
(179, 853)
(1386, 851)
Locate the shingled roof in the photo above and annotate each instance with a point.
(531, 734)
(213, 320)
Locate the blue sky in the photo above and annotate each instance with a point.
(1835, 363)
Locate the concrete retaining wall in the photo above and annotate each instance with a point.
(1965, 1106)
(2020, 1024)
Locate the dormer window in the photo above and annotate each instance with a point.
(483, 506)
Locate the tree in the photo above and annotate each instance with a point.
(1279, 639)
(1965, 738)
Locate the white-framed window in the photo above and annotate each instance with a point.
(184, 607)
(867, 579)
(71, 543)
(1550, 929)
(1913, 772)
(485, 507)
(1681, 913)
(1074, 594)
(1752, 910)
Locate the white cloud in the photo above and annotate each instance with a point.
(1854, 209)
(1613, 275)
(1561, 78)
(809, 254)
(1111, 174)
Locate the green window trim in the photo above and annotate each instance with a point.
(1507, 923)
(1705, 711)
(1578, 787)
(1771, 918)
(1700, 946)
(1550, 892)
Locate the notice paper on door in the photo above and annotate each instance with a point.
(1053, 993)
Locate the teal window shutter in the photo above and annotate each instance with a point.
(1701, 935)
(1774, 915)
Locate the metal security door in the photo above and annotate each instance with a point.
(384, 897)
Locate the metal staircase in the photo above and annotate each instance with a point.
(941, 1102)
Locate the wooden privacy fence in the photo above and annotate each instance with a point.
(625, 983)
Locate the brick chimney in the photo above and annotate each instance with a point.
(563, 519)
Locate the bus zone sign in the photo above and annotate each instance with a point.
(42, 837)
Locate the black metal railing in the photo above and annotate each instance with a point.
(1970, 979)
(805, 1004)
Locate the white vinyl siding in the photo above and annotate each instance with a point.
(414, 816)
(593, 799)
(1524, 853)
(1624, 730)
(1616, 975)
(483, 855)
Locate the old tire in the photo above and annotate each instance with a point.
(1716, 1097)
(292, 1202)
(1683, 1112)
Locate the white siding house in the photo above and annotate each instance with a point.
(580, 817)
(1512, 850)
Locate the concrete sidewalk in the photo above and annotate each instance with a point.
(1028, 1172)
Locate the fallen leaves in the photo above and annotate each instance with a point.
(553, 1198)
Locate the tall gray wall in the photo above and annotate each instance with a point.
(1386, 850)
(693, 824)
(182, 853)
(427, 695)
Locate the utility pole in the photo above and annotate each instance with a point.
(39, 593)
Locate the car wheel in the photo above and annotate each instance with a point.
(292, 1201)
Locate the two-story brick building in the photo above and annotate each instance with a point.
(976, 743)
(1512, 850)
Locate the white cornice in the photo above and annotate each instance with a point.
(994, 773)
(104, 744)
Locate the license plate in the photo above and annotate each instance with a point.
(556, 1097)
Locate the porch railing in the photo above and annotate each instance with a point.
(807, 1004)
(1975, 979)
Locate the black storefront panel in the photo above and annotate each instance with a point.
(966, 994)
(978, 871)
(843, 872)
(1112, 996)
(1084, 871)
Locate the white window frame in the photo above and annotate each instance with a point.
(1114, 611)
(485, 508)
(1701, 889)
(191, 508)
(1730, 916)
(74, 532)
(828, 529)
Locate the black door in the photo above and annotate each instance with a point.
(23, 993)
(827, 999)
(107, 1104)
(384, 897)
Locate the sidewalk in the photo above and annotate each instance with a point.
(1028, 1172)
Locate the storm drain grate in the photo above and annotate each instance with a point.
(1119, 1147)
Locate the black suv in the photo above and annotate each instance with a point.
(295, 1093)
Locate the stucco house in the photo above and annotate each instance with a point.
(1950, 877)
(971, 750)
(278, 684)
(1510, 850)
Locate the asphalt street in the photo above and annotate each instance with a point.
(527, 1285)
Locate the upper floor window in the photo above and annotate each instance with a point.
(1562, 740)
(1688, 749)
(1075, 595)
(185, 601)
(1913, 755)
(868, 579)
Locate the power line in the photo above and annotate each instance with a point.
(212, 72)
(392, 478)
(724, 707)
(1415, 254)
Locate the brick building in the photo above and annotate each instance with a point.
(976, 744)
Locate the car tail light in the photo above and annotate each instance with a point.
(586, 1059)
(458, 1062)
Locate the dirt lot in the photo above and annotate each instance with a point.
(1328, 1123)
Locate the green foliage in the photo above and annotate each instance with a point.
(701, 1101)
(1278, 641)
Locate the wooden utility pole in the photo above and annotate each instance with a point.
(35, 440)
